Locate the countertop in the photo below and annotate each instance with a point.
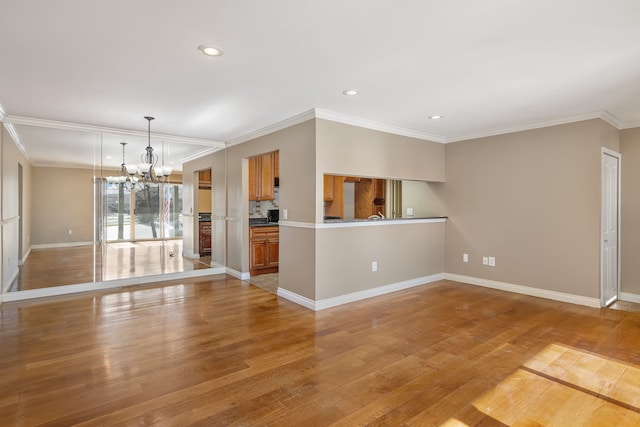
(342, 221)
(261, 222)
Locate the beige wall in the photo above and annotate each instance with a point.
(62, 201)
(217, 205)
(204, 200)
(402, 251)
(350, 150)
(421, 197)
(343, 149)
(532, 200)
(297, 194)
(630, 211)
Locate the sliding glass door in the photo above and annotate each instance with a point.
(142, 211)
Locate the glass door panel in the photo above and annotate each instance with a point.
(118, 212)
(147, 212)
(172, 210)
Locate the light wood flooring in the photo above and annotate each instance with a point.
(46, 268)
(218, 351)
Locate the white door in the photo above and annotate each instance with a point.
(610, 203)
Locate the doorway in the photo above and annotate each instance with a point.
(610, 219)
(204, 199)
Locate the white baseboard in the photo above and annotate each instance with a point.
(7, 285)
(629, 297)
(110, 284)
(24, 258)
(357, 296)
(190, 255)
(237, 274)
(61, 245)
(525, 290)
(298, 299)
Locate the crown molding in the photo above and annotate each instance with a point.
(317, 113)
(603, 115)
(631, 125)
(283, 124)
(612, 119)
(16, 139)
(200, 154)
(2, 114)
(373, 125)
(52, 124)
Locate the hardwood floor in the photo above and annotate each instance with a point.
(45, 268)
(218, 351)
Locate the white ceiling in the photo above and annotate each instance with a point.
(487, 67)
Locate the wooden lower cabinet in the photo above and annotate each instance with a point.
(264, 250)
(205, 238)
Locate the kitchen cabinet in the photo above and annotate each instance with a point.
(264, 250)
(328, 188)
(378, 202)
(378, 188)
(276, 164)
(204, 238)
(369, 197)
(204, 179)
(261, 177)
(335, 206)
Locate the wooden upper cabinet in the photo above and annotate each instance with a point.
(328, 188)
(379, 190)
(261, 177)
(267, 174)
(204, 179)
(254, 172)
(276, 164)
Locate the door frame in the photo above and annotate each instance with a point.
(618, 156)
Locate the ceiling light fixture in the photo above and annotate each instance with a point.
(210, 50)
(146, 171)
(435, 117)
(350, 92)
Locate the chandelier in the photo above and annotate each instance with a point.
(146, 171)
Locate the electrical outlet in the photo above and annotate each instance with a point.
(374, 266)
(409, 211)
(492, 261)
(485, 260)
(285, 214)
(465, 257)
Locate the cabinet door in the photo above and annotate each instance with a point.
(266, 186)
(254, 174)
(276, 164)
(379, 190)
(328, 188)
(273, 251)
(258, 254)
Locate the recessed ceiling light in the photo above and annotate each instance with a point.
(108, 157)
(435, 117)
(350, 92)
(210, 50)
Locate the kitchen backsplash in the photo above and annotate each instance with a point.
(260, 209)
